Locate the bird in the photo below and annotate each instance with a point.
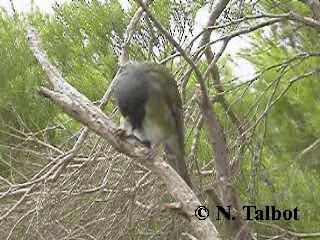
(148, 98)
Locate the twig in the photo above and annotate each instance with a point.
(80, 108)
(4, 216)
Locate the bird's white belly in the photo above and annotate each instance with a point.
(153, 132)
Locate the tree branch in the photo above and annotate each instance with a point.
(80, 108)
(224, 183)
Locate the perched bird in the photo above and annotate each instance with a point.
(148, 97)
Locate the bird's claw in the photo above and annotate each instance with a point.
(152, 153)
(121, 133)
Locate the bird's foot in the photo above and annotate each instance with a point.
(152, 153)
(122, 133)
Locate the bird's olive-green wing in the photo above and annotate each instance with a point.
(174, 104)
(172, 96)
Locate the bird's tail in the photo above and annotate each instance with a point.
(175, 157)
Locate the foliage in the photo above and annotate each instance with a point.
(82, 39)
(289, 167)
(101, 190)
(20, 78)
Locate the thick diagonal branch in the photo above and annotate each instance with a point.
(80, 108)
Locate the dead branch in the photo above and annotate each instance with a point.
(80, 108)
(225, 190)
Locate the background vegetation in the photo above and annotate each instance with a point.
(101, 194)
